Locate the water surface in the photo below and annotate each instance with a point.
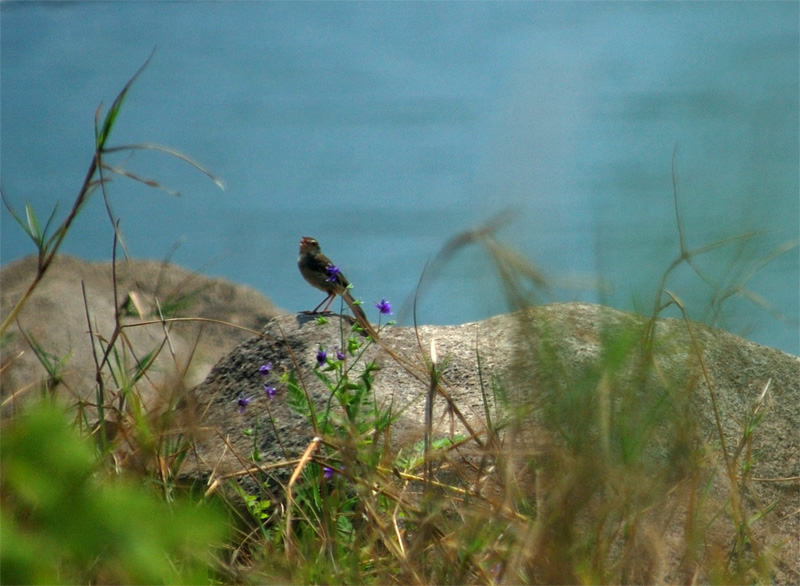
(383, 129)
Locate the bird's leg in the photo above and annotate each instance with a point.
(329, 299)
(332, 296)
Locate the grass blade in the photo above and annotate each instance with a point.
(111, 116)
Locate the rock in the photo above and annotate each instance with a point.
(578, 387)
(55, 318)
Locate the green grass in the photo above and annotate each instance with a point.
(575, 475)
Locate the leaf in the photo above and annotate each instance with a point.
(173, 153)
(34, 230)
(111, 116)
(296, 397)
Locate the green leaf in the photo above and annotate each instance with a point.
(296, 397)
(34, 230)
(58, 512)
(111, 116)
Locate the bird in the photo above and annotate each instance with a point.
(318, 270)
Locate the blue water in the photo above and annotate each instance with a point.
(383, 129)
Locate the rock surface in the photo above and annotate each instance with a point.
(55, 317)
(511, 351)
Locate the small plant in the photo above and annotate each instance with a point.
(65, 521)
(68, 515)
(351, 427)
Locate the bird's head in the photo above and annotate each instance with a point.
(309, 245)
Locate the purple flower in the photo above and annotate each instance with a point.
(322, 357)
(243, 402)
(265, 368)
(270, 391)
(333, 273)
(328, 472)
(384, 307)
(339, 354)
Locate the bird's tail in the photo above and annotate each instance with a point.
(359, 314)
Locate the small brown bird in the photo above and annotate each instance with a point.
(318, 270)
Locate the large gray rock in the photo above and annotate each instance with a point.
(568, 381)
(55, 318)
